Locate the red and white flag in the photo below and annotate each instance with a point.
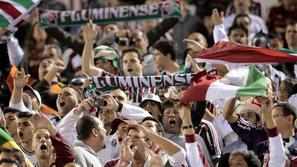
(245, 81)
(228, 52)
(12, 12)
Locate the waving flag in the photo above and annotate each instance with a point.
(246, 81)
(228, 52)
(13, 12)
(7, 141)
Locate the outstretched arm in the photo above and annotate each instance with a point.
(88, 66)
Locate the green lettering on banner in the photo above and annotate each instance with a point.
(165, 9)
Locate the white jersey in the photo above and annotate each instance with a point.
(30, 155)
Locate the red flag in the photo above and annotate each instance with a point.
(229, 52)
(198, 87)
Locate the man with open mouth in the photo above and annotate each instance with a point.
(25, 132)
(50, 147)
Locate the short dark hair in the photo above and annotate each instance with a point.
(168, 103)
(24, 115)
(291, 22)
(167, 47)
(84, 126)
(291, 85)
(241, 15)
(132, 50)
(288, 109)
(249, 156)
(78, 92)
(159, 126)
(235, 26)
(10, 110)
(18, 156)
(9, 161)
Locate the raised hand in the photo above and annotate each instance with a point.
(185, 114)
(90, 31)
(266, 107)
(112, 104)
(194, 45)
(20, 79)
(216, 17)
(145, 131)
(194, 67)
(40, 121)
(84, 106)
(60, 66)
(127, 153)
(228, 111)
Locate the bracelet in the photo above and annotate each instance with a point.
(188, 127)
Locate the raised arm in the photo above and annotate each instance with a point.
(219, 33)
(88, 66)
(228, 111)
(19, 81)
(125, 110)
(193, 152)
(277, 156)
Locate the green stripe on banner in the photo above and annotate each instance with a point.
(26, 3)
(3, 21)
(164, 9)
(256, 84)
(4, 137)
(288, 51)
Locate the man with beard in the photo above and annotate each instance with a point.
(49, 146)
(25, 131)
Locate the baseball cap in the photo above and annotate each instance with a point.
(248, 106)
(116, 122)
(107, 53)
(35, 93)
(151, 97)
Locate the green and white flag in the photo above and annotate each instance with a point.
(12, 12)
(165, 9)
(245, 81)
